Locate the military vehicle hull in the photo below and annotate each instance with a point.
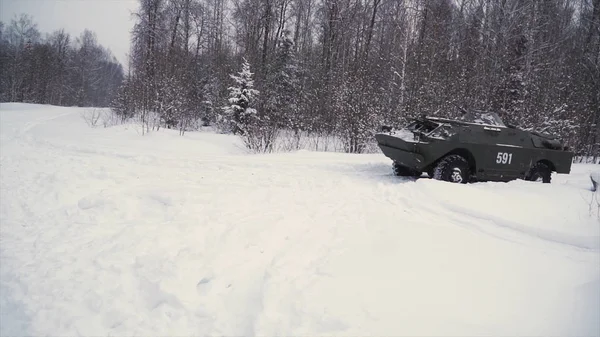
(478, 151)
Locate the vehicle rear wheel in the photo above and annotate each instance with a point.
(539, 172)
(403, 171)
(453, 168)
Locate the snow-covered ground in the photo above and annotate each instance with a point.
(108, 232)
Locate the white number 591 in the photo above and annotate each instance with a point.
(503, 158)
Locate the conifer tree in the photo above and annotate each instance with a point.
(240, 114)
(281, 98)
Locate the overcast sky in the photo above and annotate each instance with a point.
(111, 20)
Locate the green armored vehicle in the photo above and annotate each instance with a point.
(476, 147)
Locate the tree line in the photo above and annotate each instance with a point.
(345, 67)
(55, 69)
(318, 68)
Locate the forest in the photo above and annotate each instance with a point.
(55, 69)
(262, 69)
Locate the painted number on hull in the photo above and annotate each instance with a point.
(504, 158)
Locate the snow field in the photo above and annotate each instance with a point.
(106, 232)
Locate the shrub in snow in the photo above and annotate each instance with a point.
(356, 109)
(91, 117)
(595, 177)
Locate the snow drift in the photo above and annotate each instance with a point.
(107, 232)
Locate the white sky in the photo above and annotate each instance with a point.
(111, 20)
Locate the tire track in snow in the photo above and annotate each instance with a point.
(582, 243)
(500, 228)
(20, 133)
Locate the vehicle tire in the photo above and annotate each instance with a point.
(539, 172)
(403, 171)
(430, 171)
(453, 168)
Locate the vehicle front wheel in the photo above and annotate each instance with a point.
(539, 172)
(453, 168)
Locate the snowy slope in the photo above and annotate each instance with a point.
(107, 232)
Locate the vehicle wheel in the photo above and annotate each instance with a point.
(403, 171)
(453, 168)
(539, 172)
(430, 171)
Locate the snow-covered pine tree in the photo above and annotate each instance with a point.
(240, 114)
(511, 95)
(210, 89)
(557, 123)
(282, 86)
(281, 91)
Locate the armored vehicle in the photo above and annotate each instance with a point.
(477, 146)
